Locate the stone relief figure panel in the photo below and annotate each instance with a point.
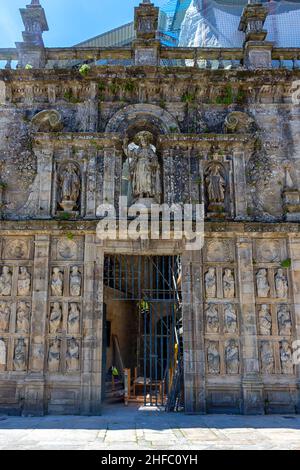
(268, 251)
(232, 358)
(3, 355)
(284, 320)
(67, 248)
(75, 282)
(267, 357)
(20, 355)
(264, 320)
(55, 319)
(230, 319)
(6, 281)
(16, 249)
(211, 283)
(74, 319)
(286, 358)
(57, 282)
(281, 284)
(23, 317)
(228, 284)
(212, 319)
(24, 282)
(5, 313)
(68, 187)
(213, 357)
(218, 251)
(54, 356)
(72, 355)
(262, 283)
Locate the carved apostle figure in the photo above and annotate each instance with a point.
(232, 357)
(144, 168)
(2, 355)
(211, 283)
(74, 319)
(22, 321)
(215, 184)
(20, 355)
(5, 281)
(24, 281)
(69, 182)
(213, 358)
(284, 320)
(4, 316)
(263, 287)
(54, 356)
(212, 319)
(286, 358)
(75, 282)
(228, 284)
(267, 358)
(72, 356)
(265, 320)
(281, 284)
(55, 318)
(57, 283)
(230, 319)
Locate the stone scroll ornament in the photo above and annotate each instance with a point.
(262, 283)
(5, 312)
(75, 282)
(24, 282)
(20, 355)
(69, 187)
(232, 360)
(230, 319)
(72, 356)
(74, 319)
(265, 320)
(56, 283)
(228, 284)
(211, 283)
(212, 319)
(286, 358)
(213, 358)
(55, 318)
(267, 357)
(5, 282)
(281, 284)
(48, 120)
(54, 356)
(23, 318)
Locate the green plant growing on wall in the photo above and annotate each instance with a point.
(226, 96)
(64, 215)
(286, 263)
(68, 96)
(241, 97)
(3, 185)
(162, 104)
(173, 129)
(129, 86)
(188, 98)
(114, 88)
(28, 67)
(70, 236)
(84, 70)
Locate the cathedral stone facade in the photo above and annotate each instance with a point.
(216, 126)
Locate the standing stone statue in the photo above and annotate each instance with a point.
(212, 319)
(2, 355)
(20, 355)
(213, 358)
(286, 358)
(267, 357)
(144, 168)
(215, 184)
(230, 319)
(5, 311)
(211, 283)
(57, 283)
(281, 284)
(263, 287)
(265, 320)
(228, 284)
(55, 318)
(69, 185)
(72, 357)
(23, 322)
(75, 282)
(5, 281)
(232, 357)
(284, 320)
(54, 356)
(74, 319)
(24, 281)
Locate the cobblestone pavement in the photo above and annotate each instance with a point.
(130, 428)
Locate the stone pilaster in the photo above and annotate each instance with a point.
(35, 381)
(251, 382)
(193, 333)
(240, 185)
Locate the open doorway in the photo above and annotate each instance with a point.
(142, 341)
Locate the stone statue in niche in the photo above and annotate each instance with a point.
(20, 355)
(230, 319)
(228, 284)
(286, 358)
(5, 311)
(24, 282)
(54, 356)
(69, 187)
(74, 319)
(263, 287)
(75, 282)
(212, 319)
(265, 320)
(281, 284)
(56, 283)
(267, 357)
(284, 320)
(211, 283)
(2, 355)
(213, 358)
(55, 318)
(5, 281)
(72, 356)
(215, 184)
(22, 321)
(144, 168)
(232, 357)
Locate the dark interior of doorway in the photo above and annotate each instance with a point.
(142, 348)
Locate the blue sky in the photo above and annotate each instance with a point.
(70, 21)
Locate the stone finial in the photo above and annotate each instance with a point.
(35, 23)
(252, 21)
(146, 20)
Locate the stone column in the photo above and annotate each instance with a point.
(251, 382)
(239, 184)
(109, 176)
(92, 328)
(35, 401)
(193, 333)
